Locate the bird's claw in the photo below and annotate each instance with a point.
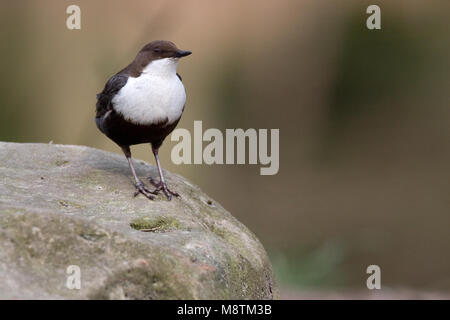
(163, 187)
(141, 188)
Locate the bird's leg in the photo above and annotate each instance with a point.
(140, 187)
(161, 185)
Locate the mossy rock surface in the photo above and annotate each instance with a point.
(64, 206)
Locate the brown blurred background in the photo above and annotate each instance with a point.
(363, 116)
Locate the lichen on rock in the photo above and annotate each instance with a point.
(158, 224)
(71, 205)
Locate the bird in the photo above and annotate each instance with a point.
(143, 103)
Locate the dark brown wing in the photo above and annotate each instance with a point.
(114, 84)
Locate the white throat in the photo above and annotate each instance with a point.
(156, 96)
(162, 67)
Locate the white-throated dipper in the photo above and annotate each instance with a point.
(143, 103)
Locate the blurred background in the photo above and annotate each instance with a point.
(363, 116)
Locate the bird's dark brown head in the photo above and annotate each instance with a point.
(155, 50)
(163, 49)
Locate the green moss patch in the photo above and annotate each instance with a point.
(158, 224)
(69, 204)
(61, 163)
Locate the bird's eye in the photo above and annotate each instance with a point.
(156, 50)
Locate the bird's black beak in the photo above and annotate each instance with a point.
(182, 53)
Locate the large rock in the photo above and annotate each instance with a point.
(72, 205)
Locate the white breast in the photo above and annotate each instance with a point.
(152, 97)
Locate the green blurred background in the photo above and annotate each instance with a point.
(363, 116)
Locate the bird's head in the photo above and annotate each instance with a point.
(159, 57)
(161, 49)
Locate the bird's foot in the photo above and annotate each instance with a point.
(141, 188)
(163, 187)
